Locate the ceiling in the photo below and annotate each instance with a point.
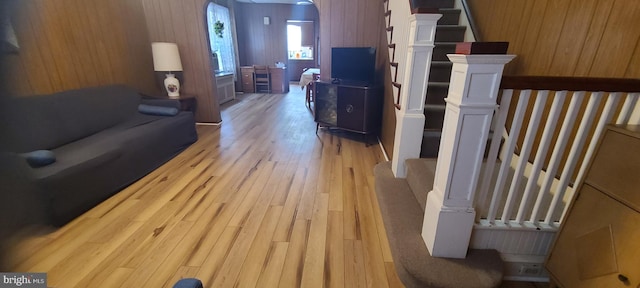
(300, 2)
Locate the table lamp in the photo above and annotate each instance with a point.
(167, 59)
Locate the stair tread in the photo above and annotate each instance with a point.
(437, 62)
(402, 217)
(451, 26)
(446, 43)
(435, 106)
(432, 132)
(450, 10)
(435, 83)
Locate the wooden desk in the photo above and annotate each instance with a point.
(279, 82)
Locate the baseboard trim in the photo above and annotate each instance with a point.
(209, 124)
(386, 157)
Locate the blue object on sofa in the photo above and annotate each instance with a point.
(157, 110)
(188, 283)
(39, 158)
(100, 140)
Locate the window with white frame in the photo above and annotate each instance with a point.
(220, 37)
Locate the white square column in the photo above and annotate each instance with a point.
(472, 99)
(415, 76)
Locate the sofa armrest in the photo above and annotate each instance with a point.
(173, 103)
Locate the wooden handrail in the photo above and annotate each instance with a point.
(471, 20)
(557, 83)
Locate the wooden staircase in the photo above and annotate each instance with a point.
(448, 33)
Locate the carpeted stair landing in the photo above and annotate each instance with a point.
(402, 211)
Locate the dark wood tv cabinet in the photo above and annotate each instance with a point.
(354, 108)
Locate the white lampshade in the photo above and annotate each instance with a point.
(166, 56)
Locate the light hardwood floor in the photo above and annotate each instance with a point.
(260, 201)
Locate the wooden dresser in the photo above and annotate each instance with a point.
(247, 79)
(598, 244)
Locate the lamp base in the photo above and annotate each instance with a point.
(172, 85)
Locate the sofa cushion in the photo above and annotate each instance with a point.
(80, 156)
(39, 158)
(50, 121)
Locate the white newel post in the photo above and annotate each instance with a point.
(449, 213)
(410, 117)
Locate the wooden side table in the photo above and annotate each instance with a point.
(187, 102)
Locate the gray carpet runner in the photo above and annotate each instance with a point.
(403, 211)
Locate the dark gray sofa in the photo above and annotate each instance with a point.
(100, 141)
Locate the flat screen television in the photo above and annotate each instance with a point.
(355, 65)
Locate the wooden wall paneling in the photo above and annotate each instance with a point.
(513, 11)
(106, 46)
(362, 22)
(501, 16)
(117, 47)
(181, 34)
(28, 55)
(71, 44)
(84, 43)
(338, 28)
(521, 33)
(619, 40)
(140, 50)
(64, 62)
(564, 37)
(325, 38)
(572, 37)
(481, 12)
(529, 43)
(205, 90)
(350, 35)
(633, 70)
(594, 35)
(66, 35)
(97, 51)
(36, 54)
(547, 41)
(207, 66)
(97, 13)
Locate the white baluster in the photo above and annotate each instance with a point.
(487, 172)
(627, 108)
(541, 153)
(532, 130)
(605, 117)
(510, 146)
(556, 156)
(572, 159)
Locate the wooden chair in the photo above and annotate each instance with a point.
(262, 79)
(311, 89)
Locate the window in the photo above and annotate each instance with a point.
(221, 40)
(300, 40)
